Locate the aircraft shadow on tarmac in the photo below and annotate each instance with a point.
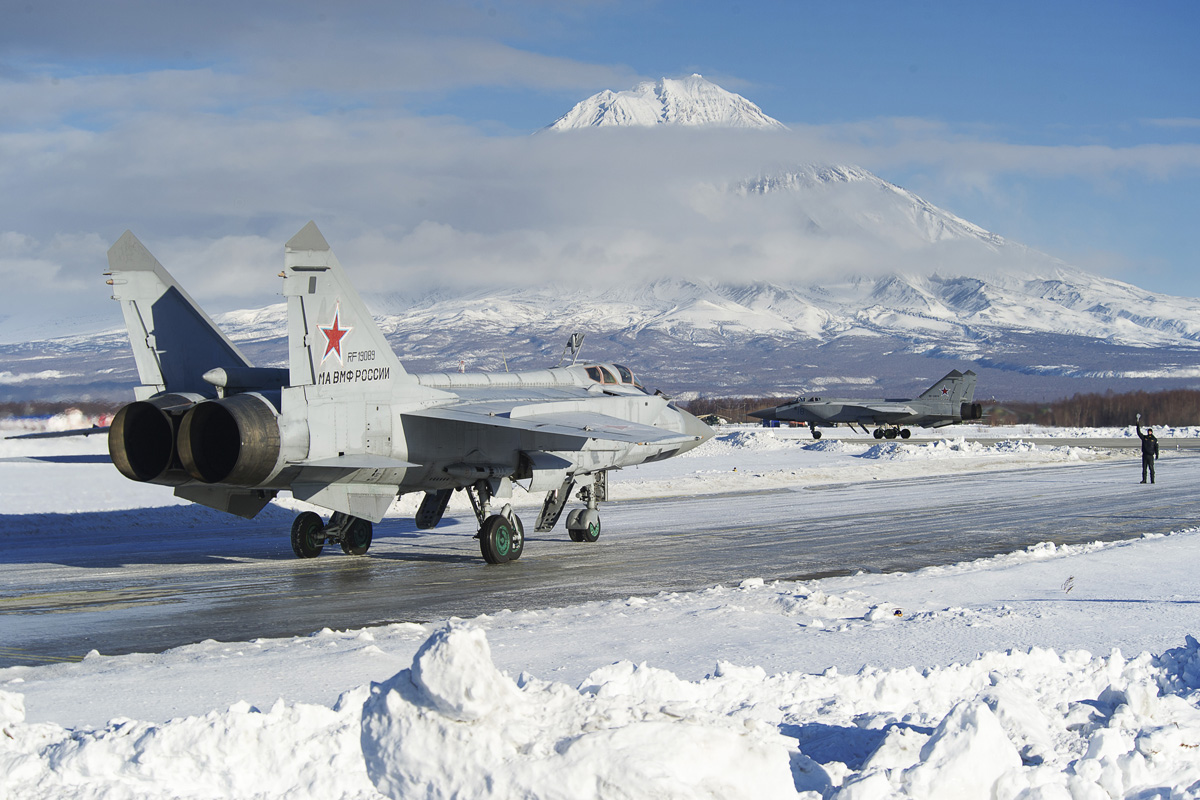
(196, 535)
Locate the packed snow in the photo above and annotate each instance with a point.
(867, 686)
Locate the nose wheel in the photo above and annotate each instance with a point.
(583, 524)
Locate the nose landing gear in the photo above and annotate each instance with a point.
(583, 524)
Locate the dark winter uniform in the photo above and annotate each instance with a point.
(1149, 451)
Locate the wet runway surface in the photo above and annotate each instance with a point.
(165, 582)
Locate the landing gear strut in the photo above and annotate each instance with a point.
(501, 534)
(309, 534)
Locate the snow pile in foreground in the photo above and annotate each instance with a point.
(453, 725)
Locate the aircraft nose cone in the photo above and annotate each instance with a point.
(764, 413)
(694, 427)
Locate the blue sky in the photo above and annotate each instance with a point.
(215, 130)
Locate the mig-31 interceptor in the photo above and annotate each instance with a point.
(947, 402)
(346, 428)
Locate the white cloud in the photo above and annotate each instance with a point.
(408, 203)
(208, 130)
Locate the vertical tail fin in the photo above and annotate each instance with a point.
(966, 389)
(945, 389)
(952, 393)
(174, 342)
(333, 342)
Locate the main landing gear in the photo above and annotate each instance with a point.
(310, 533)
(892, 433)
(501, 534)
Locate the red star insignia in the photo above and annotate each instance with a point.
(945, 390)
(334, 334)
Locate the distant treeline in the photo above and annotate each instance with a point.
(732, 409)
(1171, 407)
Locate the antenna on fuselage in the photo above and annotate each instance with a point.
(574, 344)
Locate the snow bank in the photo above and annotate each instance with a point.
(960, 448)
(1006, 725)
(752, 459)
(289, 751)
(746, 439)
(453, 726)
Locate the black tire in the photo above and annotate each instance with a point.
(357, 539)
(308, 538)
(573, 529)
(904, 434)
(816, 434)
(878, 433)
(496, 539)
(890, 433)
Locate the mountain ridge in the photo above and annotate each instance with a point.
(1033, 337)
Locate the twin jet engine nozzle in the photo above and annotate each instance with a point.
(177, 438)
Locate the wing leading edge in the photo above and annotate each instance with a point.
(576, 424)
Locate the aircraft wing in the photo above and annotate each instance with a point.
(576, 424)
(890, 409)
(60, 434)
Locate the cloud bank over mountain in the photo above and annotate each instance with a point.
(214, 166)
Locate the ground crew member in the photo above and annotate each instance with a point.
(1149, 449)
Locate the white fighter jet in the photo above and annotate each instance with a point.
(346, 428)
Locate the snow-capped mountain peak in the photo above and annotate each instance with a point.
(691, 101)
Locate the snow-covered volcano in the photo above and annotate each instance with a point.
(688, 101)
(944, 293)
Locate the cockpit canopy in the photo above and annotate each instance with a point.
(612, 374)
